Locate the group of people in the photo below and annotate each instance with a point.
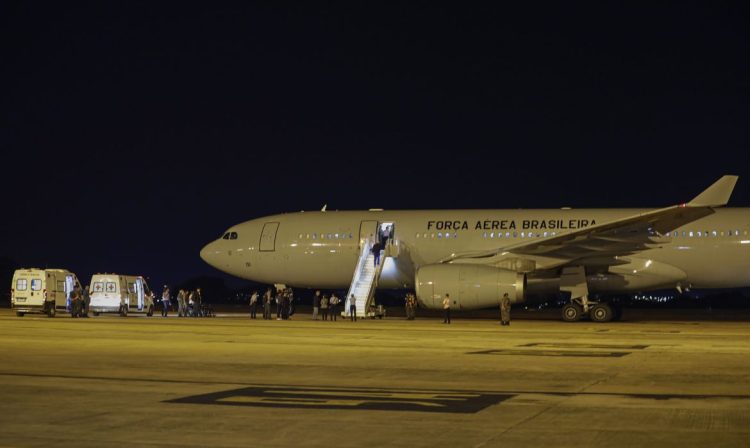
(325, 305)
(504, 309)
(189, 303)
(284, 300)
(80, 299)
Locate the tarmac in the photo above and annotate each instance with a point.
(231, 381)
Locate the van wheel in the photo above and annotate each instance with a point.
(95, 313)
(19, 313)
(51, 311)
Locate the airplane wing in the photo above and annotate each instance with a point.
(607, 240)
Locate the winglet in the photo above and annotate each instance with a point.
(717, 194)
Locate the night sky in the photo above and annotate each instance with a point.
(134, 133)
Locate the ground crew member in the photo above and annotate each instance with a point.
(447, 308)
(324, 307)
(181, 309)
(505, 310)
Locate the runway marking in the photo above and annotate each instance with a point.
(347, 398)
(559, 353)
(584, 345)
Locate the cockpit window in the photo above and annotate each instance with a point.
(233, 236)
(226, 236)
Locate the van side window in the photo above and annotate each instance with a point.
(36, 284)
(98, 286)
(111, 287)
(22, 284)
(131, 288)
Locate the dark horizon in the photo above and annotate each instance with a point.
(133, 134)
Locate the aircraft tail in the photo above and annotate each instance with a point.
(717, 195)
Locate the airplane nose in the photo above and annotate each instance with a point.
(208, 254)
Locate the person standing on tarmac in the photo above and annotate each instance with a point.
(333, 302)
(267, 305)
(353, 308)
(324, 307)
(316, 305)
(253, 304)
(447, 308)
(181, 303)
(165, 298)
(505, 310)
(75, 302)
(86, 301)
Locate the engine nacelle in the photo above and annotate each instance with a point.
(470, 286)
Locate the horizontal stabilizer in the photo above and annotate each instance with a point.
(716, 195)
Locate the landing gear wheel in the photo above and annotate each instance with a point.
(601, 312)
(572, 312)
(51, 311)
(19, 313)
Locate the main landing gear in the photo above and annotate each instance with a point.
(581, 307)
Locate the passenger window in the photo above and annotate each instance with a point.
(36, 284)
(690, 234)
(713, 233)
(299, 237)
(22, 284)
(484, 235)
(111, 287)
(329, 236)
(440, 234)
(314, 236)
(98, 287)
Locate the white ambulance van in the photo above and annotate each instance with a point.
(42, 291)
(114, 293)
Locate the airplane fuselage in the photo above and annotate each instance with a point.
(321, 249)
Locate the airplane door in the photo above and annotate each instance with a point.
(268, 237)
(139, 292)
(367, 229)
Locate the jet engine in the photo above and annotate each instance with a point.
(470, 286)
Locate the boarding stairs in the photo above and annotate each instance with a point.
(364, 281)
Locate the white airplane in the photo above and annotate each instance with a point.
(478, 255)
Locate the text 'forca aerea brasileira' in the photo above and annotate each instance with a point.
(511, 224)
